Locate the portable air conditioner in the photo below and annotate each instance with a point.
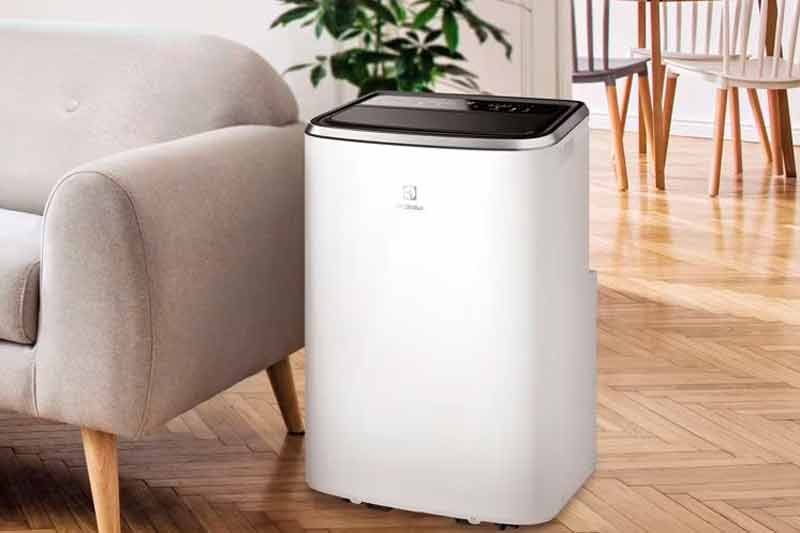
(450, 309)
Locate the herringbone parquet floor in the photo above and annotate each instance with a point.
(698, 404)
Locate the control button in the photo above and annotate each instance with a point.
(501, 107)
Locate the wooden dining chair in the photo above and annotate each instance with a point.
(763, 67)
(688, 35)
(597, 67)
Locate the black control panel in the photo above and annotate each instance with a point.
(499, 106)
(447, 114)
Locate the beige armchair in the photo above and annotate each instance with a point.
(151, 230)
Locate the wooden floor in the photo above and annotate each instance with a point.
(698, 396)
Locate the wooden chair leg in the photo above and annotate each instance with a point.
(775, 125)
(626, 100)
(719, 137)
(280, 376)
(101, 460)
(647, 114)
(669, 106)
(617, 134)
(787, 138)
(761, 126)
(642, 130)
(736, 129)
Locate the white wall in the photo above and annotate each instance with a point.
(694, 104)
(246, 21)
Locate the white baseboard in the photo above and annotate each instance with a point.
(684, 128)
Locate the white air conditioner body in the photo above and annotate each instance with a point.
(450, 309)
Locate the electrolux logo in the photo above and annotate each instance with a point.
(410, 199)
(410, 193)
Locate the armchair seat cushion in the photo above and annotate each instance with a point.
(20, 249)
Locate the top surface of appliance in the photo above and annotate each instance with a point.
(453, 121)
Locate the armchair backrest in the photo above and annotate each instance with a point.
(72, 93)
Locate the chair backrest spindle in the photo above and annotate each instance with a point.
(725, 33)
(574, 37)
(747, 15)
(598, 57)
(793, 41)
(590, 33)
(606, 24)
(735, 33)
(776, 46)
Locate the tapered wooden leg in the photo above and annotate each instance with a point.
(736, 129)
(641, 42)
(280, 376)
(101, 460)
(719, 137)
(626, 100)
(761, 126)
(775, 125)
(787, 138)
(647, 114)
(642, 132)
(669, 105)
(617, 134)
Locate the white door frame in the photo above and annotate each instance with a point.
(547, 48)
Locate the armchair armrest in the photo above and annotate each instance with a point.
(169, 273)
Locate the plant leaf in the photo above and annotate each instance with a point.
(292, 15)
(339, 16)
(455, 70)
(450, 28)
(294, 68)
(398, 44)
(439, 50)
(368, 56)
(350, 34)
(427, 14)
(380, 10)
(467, 83)
(317, 74)
(432, 36)
(399, 11)
(476, 23)
(500, 36)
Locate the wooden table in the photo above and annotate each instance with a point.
(783, 156)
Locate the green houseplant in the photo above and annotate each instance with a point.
(391, 44)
